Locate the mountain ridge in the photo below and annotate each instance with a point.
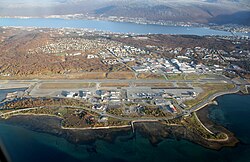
(199, 11)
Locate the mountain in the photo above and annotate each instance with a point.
(201, 11)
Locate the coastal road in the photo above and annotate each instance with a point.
(202, 104)
(92, 110)
(212, 97)
(18, 111)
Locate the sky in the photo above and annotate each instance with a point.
(22, 3)
(53, 3)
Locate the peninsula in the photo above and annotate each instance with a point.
(92, 80)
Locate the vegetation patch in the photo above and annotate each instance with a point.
(66, 85)
(208, 90)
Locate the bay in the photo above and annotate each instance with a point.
(116, 27)
(232, 112)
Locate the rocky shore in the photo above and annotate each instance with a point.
(203, 115)
(155, 132)
(52, 125)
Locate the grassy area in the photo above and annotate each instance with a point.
(114, 84)
(74, 117)
(116, 111)
(116, 122)
(38, 102)
(155, 85)
(175, 77)
(66, 85)
(194, 125)
(199, 76)
(193, 76)
(243, 89)
(208, 89)
(182, 84)
(151, 111)
(121, 75)
(61, 54)
(52, 76)
(149, 76)
(87, 75)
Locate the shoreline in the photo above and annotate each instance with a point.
(135, 21)
(154, 131)
(203, 115)
(187, 25)
(213, 97)
(161, 130)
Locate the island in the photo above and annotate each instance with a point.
(82, 84)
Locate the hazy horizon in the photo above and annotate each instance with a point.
(199, 11)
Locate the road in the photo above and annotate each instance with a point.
(92, 110)
(34, 85)
(138, 119)
(18, 111)
(212, 97)
(202, 104)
